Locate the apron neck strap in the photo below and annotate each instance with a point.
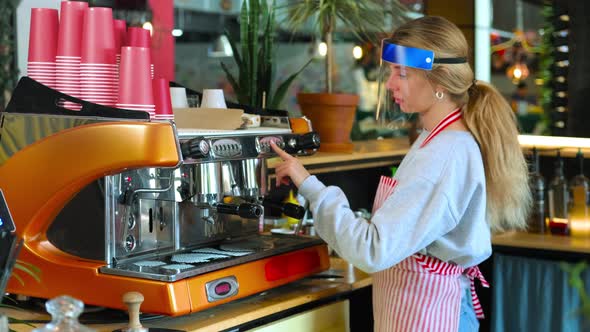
(449, 119)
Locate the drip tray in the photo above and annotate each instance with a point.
(192, 262)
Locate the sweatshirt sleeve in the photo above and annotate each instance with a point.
(415, 215)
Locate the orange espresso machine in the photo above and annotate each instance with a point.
(108, 202)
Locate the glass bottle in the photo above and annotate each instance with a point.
(558, 196)
(536, 220)
(579, 216)
(64, 311)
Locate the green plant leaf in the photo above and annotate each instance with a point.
(235, 51)
(254, 18)
(18, 278)
(12, 320)
(279, 95)
(232, 81)
(32, 267)
(575, 280)
(30, 272)
(244, 69)
(365, 19)
(266, 54)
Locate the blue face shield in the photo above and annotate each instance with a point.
(401, 75)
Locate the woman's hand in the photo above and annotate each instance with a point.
(291, 167)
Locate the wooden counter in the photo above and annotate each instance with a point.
(366, 154)
(310, 292)
(323, 288)
(546, 242)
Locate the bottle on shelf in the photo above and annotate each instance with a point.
(536, 220)
(558, 196)
(579, 214)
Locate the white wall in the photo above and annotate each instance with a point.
(23, 22)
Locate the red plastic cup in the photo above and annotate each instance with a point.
(98, 36)
(120, 35)
(138, 37)
(162, 100)
(135, 83)
(43, 35)
(71, 24)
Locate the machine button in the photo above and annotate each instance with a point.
(222, 288)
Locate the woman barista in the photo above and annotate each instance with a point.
(464, 176)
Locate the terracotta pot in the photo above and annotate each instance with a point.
(332, 116)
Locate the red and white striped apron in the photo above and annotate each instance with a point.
(421, 293)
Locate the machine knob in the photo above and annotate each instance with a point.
(309, 140)
(195, 148)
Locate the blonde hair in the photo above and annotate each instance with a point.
(486, 113)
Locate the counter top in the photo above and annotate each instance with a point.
(340, 279)
(550, 242)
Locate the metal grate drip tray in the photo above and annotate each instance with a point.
(195, 261)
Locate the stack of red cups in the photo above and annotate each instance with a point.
(162, 100)
(68, 56)
(140, 37)
(98, 69)
(42, 46)
(135, 83)
(120, 38)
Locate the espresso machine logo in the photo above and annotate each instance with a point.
(227, 148)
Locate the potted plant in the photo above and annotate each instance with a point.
(332, 114)
(254, 58)
(8, 71)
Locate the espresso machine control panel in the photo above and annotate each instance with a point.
(208, 148)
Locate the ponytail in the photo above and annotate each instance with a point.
(493, 124)
(486, 114)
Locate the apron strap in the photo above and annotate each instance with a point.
(436, 266)
(445, 122)
(474, 273)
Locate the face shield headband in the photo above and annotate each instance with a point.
(396, 100)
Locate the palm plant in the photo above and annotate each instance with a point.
(255, 56)
(366, 19)
(30, 270)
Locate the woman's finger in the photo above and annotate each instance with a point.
(284, 155)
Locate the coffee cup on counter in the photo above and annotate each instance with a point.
(178, 97)
(213, 98)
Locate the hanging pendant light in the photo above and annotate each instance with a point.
(519, 71)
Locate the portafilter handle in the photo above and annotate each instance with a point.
(244, 210)
(308, 141)
(289, 209)
(195, 148)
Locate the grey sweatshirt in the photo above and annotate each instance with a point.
(437, 208)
